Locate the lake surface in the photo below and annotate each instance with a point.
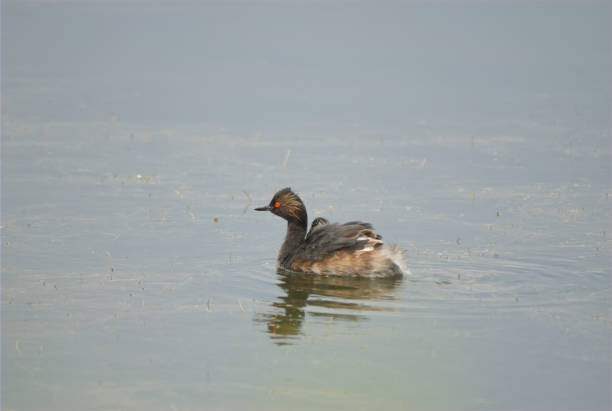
(137, 138)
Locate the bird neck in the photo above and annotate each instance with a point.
(293, 239)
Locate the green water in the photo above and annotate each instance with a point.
(135, 274)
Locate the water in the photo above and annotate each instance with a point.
(135, 144)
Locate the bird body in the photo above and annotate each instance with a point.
(351, 248)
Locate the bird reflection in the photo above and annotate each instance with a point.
(334, 297)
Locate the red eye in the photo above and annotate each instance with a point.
(277, 204)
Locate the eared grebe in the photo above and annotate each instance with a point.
(319, 221)
(351, 248)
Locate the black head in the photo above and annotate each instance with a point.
(288, 205)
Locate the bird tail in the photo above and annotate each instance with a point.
(398, 258)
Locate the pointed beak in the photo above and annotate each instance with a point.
(264, 208)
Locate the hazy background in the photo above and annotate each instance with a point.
(137, 137)
(303, 66)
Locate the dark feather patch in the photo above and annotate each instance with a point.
(326, 239)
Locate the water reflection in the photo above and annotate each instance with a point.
(333, 297)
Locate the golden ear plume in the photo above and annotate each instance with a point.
(291, 203)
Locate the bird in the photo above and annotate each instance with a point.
(351, 248)
(319, 221)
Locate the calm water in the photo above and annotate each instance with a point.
(137, 140)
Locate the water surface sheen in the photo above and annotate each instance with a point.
(135, 274)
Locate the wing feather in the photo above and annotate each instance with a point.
(327, 239)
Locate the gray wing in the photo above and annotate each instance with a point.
(326, 239)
